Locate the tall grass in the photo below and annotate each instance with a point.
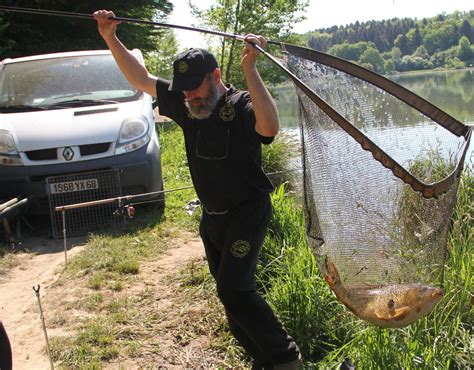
(277, 159)
(327, 333)
(176, 176)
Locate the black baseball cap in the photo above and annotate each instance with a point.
(190, 67)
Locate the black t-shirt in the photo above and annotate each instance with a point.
(224, 151)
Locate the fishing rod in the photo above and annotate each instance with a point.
(125, 20)
(58, 13)
(164, 25)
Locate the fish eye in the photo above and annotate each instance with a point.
(424, 289)
(391, 304)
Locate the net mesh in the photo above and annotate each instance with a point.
(380, 243)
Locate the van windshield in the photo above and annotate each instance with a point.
(46, 82)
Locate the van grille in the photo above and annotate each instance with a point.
(42, 155)
(92, 149)
(51, 153)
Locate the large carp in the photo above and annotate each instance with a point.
(392, 306)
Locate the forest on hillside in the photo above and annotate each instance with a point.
(399, 45)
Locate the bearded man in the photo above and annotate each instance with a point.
(224, 129)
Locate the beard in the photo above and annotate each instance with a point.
(206, 105)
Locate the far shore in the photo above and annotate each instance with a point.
(401, 74)
(426, 71)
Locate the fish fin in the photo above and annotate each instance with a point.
(380, 316)
(401, 313)
(329, 280)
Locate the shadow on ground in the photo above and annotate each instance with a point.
(35, 233)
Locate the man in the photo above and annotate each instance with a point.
(223, 130)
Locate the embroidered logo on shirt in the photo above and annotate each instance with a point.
(240, 248)
(182, 67)
(227, 112)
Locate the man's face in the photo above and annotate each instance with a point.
(202, 101)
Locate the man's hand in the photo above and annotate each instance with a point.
(266, 112)
(106, 26)
(250, 53)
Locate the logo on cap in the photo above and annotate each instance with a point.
(182, 67)
(227, 112)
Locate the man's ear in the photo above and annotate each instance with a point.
(217, 75)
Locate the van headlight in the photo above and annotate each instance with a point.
(133, 135)
(9, 155)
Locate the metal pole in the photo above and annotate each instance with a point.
(112, 200)
(37, 291)
(64, 237)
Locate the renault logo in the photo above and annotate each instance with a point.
(68, 153)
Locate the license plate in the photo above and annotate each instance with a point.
(71, 186)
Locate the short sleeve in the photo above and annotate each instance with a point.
(170, 103)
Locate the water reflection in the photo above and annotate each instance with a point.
(451, 91)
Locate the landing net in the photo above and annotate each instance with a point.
(381, 173)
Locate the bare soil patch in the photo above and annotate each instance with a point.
(19, 310)
(174, 327)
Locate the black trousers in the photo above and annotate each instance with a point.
(5, 350)
(232, 242)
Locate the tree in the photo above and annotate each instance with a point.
(414, 38)
(466, 30)
(464, 49)
(272, 18)
(388, 66)
(27, 34)
(372, 57)
(440, 36)
(410, 63)
(402, 43)
(350, 51)
(160, 61)
(421, 52)
(320, 41)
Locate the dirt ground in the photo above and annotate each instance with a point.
(44, 264)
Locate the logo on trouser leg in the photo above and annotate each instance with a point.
(240, 248)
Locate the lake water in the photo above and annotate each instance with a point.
(451, 91)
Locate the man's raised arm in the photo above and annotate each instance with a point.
(135, 72)
(266, 112)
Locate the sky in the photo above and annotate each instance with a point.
(326, 13)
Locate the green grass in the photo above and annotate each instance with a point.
(287, 274)
(175, 176)
(112, 259)
(277, 157)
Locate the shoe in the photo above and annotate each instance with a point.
(347, 365)
(293, 365)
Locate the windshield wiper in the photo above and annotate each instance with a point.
(20, 108)
(80, 103)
